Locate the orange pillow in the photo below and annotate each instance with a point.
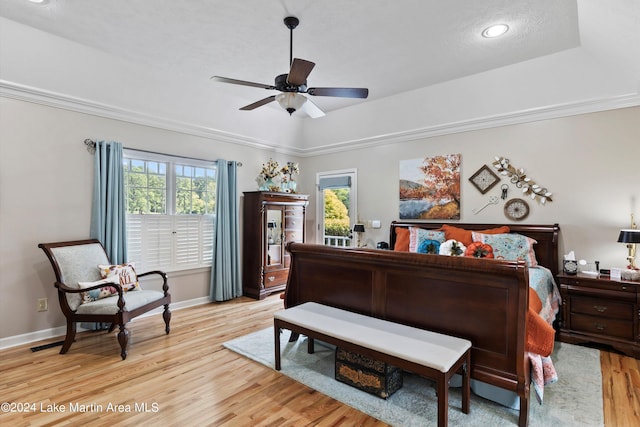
(402, 239)
(464, 236)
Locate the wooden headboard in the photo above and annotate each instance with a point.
(546, 235)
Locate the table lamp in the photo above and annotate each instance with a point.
(358, 229)
(630, 236)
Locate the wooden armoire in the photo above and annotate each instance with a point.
(270, 221)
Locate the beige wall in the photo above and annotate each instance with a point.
(45, 196)
(589, 162)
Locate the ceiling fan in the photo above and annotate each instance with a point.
(293, 84)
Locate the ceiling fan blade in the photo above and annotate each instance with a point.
(344, 92)
(299, 71)
(241, 82)
(312, 109)
(259, 103)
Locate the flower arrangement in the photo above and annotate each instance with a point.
(289, 170)
(452, 248)
(270, 170)
(274, 178)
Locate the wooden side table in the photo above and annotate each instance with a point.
(597, 309)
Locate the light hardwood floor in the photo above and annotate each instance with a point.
(187, 378)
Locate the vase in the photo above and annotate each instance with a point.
(268, 185)
(292, 186)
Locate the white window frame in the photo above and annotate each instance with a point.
(353, 199)
(172, 248)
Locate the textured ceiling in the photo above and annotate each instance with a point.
(387, 46)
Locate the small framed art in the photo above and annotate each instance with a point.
(484, 179)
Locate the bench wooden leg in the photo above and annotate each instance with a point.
(466, 373)
(310, 345)
(276, 331)
(443, 401)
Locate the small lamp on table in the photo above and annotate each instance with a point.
(631, 237)
(358, 229)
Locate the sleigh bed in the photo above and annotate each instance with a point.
(484, 301)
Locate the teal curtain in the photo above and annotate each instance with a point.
(108, 216)
(226, 282)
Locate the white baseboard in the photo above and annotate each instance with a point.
(60, 331)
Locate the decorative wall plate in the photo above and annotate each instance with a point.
(516, 209)
(484, 179)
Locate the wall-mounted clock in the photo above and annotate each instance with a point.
(516, 209)
(484, 179)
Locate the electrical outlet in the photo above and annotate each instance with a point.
(43, 304)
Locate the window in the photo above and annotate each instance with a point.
(170, 211)
(336, 204)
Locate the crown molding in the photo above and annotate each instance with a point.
(519, 117)
(66, 102)
(71, 103)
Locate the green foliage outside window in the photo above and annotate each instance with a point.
(336, 214)
(195, 190)
(146, 186)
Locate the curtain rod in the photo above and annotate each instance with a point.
(91, 147)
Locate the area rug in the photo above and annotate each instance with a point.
(574, 400)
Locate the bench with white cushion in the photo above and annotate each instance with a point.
(429, 354)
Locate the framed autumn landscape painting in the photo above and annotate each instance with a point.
(430, 188)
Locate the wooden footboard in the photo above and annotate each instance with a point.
(484, 301)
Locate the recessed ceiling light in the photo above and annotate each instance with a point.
(495, 30)
(38, 1)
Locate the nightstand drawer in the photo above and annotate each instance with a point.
(602, 308)
(602, 326)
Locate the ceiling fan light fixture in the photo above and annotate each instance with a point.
(290, 101)
(495, 30)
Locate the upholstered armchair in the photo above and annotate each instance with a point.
(90, 289)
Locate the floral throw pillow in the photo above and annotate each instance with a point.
(125, 273)
(96, 294)
(418, 236)
(511, 246)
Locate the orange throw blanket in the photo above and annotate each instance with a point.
(540, 335)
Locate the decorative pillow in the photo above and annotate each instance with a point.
(428, 247)
(402, 239)
(512, 247)
(126, 274)
(479, 250)
(96, 294)
(465, 236)
(418, 235)
(452, 248)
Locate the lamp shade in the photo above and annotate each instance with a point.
(629, 236)
(358, 228)
(290, 101)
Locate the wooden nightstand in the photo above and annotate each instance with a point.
(599, 310)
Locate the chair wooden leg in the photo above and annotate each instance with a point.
(123, 339)
(166, 315)
(112, 327)
(70, 337)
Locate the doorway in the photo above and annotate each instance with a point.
(336, 203)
